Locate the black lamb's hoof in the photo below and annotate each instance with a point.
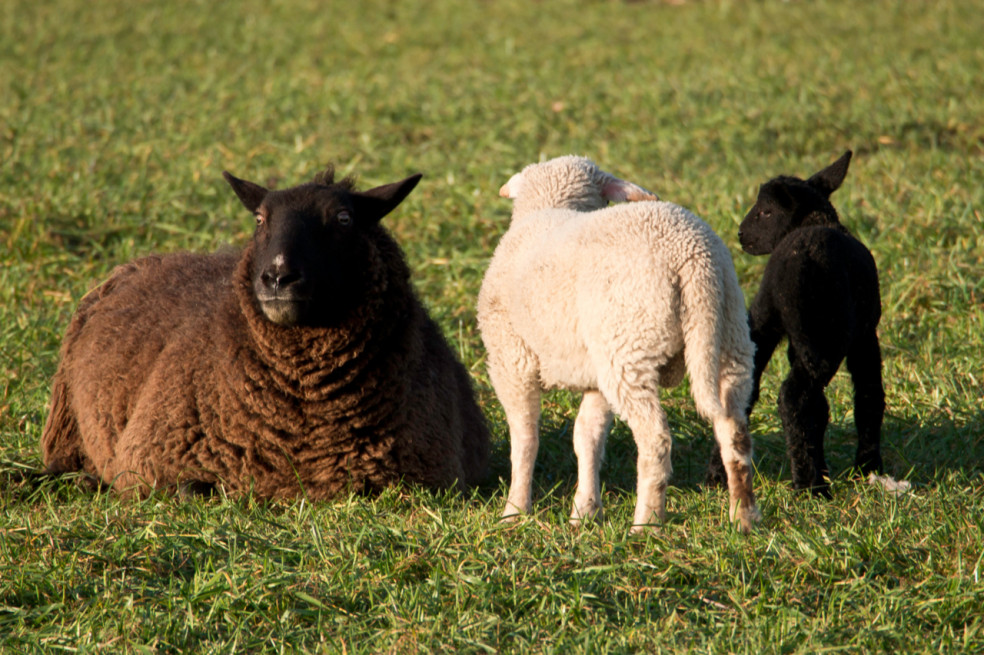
(818, 490)
(869, 463)
(716, 477)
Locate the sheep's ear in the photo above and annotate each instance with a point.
(621, 191)
(829, 179)
(251, 195)
(373, 204)
(511, 188)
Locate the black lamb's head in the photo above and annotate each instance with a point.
(786, 203)
(312, 247)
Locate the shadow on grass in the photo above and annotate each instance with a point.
(20, 481)
(919, 451)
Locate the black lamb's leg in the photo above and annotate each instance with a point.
(864, 364)
(765, 338)
(716, 476)
(805, 413)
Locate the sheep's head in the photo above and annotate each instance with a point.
(311, 244)
(568, 182)
(786, 203)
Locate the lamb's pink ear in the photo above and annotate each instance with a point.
(511, 188)
(250, 194)
(621, 191)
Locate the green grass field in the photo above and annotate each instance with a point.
(116, 120)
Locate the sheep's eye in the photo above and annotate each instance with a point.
(260, 219)
(765, 213)
(344, 218)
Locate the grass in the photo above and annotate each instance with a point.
(116, 120)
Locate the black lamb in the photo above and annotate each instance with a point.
(820, 291)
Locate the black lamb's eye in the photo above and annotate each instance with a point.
(344, 218)
(765, 213)
(260, 218)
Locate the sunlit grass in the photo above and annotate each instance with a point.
(116, 120)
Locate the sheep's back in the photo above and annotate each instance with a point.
(120, 330)
(825, 272)
(575, 284)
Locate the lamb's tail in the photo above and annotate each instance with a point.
(718, 352)
(718, 349)
(703, 303)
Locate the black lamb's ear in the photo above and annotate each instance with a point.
(373, 204)
(829, 179)
(250, 194)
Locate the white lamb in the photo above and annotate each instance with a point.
(612, 301)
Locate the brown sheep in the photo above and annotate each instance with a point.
(306, 364)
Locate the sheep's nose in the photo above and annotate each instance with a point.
(280, 275)
(280, 279)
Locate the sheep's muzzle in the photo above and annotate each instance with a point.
(283, 311)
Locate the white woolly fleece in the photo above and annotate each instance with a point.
(612, 300)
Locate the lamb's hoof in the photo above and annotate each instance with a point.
(643, 530)
(863, 467)
(821, 491)
(748, 518)
(512, 513)
(577, 521)
(586, 512)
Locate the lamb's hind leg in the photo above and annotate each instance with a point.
(514, 373)
(804, 412)
(766, 332)
(731, 433)
(652, 437)
(637, 402)
(594, 419)
(864, 363)
(735, 443)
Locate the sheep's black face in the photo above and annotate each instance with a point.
(771, 218)
(311, 247)
(303, 244)
(787, 203)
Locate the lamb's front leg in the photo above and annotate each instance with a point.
(594, 419)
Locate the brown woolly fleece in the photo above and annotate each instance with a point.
(171, 378)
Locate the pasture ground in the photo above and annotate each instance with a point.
(116, 120)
